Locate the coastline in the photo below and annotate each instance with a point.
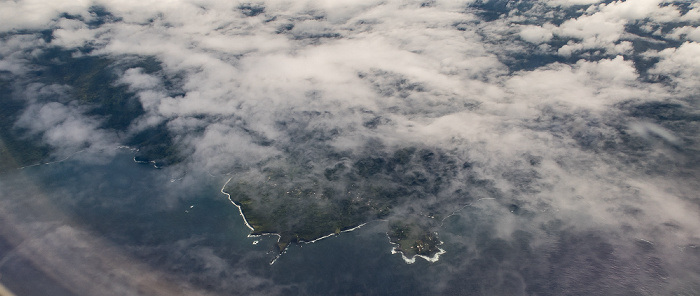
(240, 210)
(81, 151)
(432, 259)
(395, 249)
(245, 220)
(152, 162)
(55, 161)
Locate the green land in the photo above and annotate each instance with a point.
(302, 204)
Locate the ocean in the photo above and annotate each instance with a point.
(111, 226)
(183, 227)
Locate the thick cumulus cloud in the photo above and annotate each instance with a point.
(578, 117)
(681, 65)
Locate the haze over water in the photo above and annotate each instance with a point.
(551, 146)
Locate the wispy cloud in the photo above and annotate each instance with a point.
(535, 105)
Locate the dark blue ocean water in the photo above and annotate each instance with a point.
(178, 226)
(181, 224)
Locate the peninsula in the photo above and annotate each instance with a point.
(305, 203)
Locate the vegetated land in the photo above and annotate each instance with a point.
(413, 239)
(303, 202)
(90, 81)
(16, 150)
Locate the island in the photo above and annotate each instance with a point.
(412, 240)
(302, 201)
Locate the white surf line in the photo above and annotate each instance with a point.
(307, 242)
(436, 257)
(240, 210)
(83, 150)
(318, 239)
(152, 162)
(52, 162)
(304, 242)
(433, 259)
(412, 260)
(132, 149)
(354, 228)
(279, 237)
(245, 220)
(279, 255)
(334, 234)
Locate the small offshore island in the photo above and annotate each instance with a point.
(412, 240)
(303, 203)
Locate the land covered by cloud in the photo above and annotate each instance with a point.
(545, 124)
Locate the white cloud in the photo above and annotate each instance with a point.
(137, 80)
(535, 34)
(591, 85)
(603, 26)
(17, 50)
(693, 15)
(72, 33)
(37, 14)
(686, 32)
(310, 75)
(568, 3)
(682, 64)
(646, 129)
(65, 128)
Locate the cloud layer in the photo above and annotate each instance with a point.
(575, 113)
